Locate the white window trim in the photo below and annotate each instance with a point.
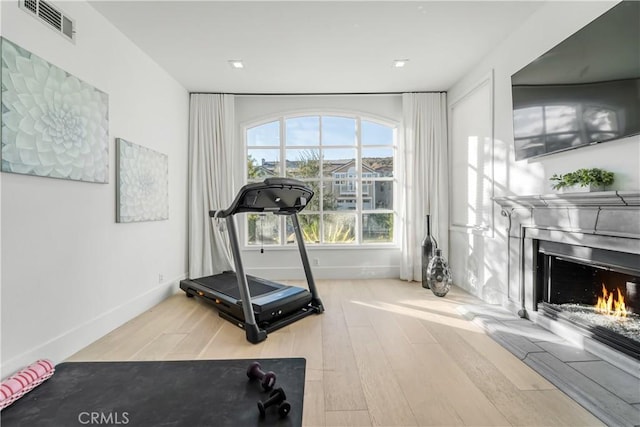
(358, 212)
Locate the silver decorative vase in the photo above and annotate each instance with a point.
(439, 275)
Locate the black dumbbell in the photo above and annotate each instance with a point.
(277, 397)
(268, 379)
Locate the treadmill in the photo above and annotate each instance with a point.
(269, 305)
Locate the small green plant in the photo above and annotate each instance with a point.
(582, 177)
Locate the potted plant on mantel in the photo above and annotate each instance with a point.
(582, 180)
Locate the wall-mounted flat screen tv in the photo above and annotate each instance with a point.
(584, 91)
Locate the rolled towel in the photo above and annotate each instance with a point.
(23, 381)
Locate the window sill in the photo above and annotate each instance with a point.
(312, 248)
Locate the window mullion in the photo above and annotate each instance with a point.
(359, 171)
(321, 185)
(283, 172)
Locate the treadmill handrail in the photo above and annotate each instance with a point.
(270, 189)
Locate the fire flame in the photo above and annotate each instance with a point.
(610, 306)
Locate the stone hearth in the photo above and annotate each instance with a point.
(608, 392)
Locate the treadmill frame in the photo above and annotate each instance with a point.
(256, 333)
(253, 331)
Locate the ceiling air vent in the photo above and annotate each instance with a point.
(51, 15)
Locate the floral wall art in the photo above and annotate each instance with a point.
(53, 124)
(142, 183)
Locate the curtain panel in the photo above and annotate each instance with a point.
(211, 137)
(423, 178)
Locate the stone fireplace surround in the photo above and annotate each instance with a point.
(605, 220)
(603, 380)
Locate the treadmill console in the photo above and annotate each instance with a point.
(283, 196)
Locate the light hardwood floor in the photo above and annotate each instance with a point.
(385, 352)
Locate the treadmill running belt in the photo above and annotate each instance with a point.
(227, 283)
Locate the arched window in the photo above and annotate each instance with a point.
(348, 161)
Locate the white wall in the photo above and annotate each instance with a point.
(478, 260)
(345, 263)
(1, 335)
(70, 273)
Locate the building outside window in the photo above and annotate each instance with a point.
(348, 161)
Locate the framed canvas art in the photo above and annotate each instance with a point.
(142, 187)
(53, 124)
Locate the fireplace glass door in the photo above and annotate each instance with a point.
(597, 290)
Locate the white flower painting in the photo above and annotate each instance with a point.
(142, 183)
(53, 124)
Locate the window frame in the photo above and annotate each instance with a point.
(321, 180)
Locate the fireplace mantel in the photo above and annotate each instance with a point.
(608, 220)
(587, 199)
(611, 213)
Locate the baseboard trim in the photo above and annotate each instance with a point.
(66, 344)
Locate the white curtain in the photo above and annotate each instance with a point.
(423, 177)
(211, 141)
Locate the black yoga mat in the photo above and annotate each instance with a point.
(196, 393)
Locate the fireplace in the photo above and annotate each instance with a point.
(596, 290)
(563, 249)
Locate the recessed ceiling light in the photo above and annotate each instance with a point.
(236, 63)
(399, 63)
